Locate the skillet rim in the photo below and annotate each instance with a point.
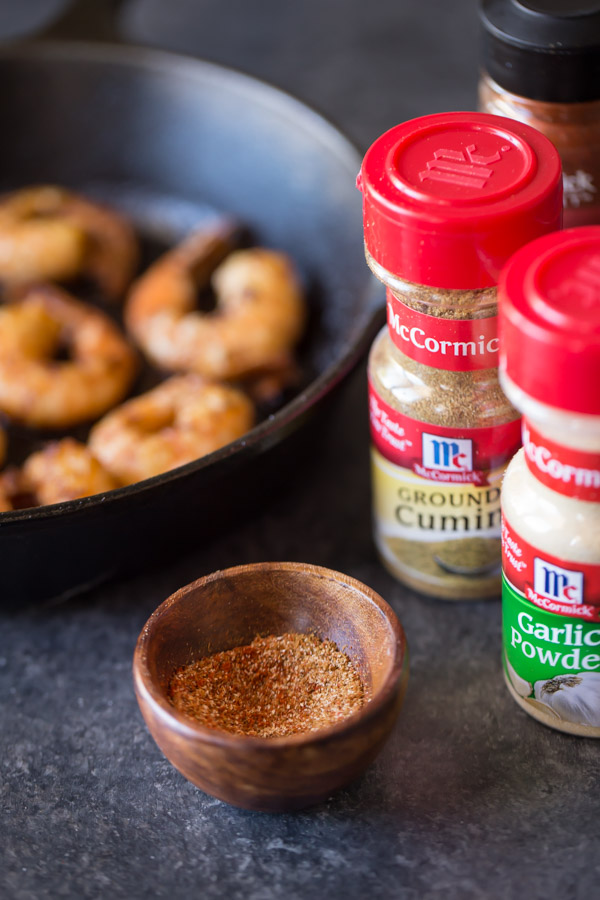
(278, 424)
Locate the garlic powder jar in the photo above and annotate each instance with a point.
(549, 298)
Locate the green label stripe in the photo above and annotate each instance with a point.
(539, 644)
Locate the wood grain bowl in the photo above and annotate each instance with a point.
(228, 609)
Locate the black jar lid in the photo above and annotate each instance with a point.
(545, 50)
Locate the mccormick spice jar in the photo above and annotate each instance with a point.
(446, 200)
(541, 65)
(550, 329)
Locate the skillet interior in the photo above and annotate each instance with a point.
(161, 221)
(173, 142)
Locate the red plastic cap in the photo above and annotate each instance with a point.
(549, 297)
(447, 199)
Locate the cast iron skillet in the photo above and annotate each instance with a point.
(174, 142)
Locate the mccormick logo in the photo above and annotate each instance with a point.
(582, 286)
(556, 469)
(482, 345)
(447, 454)
(466, 168)
(556, 583)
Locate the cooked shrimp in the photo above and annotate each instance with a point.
(5, 504)
(50, 234)
(182, 419)
(40, 390)
(64, 470)
(5, 501)
(40, 250)
(258, 318)
(11, 491)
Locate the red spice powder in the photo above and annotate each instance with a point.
(276, 686)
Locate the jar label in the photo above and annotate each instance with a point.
(552, 663)
(432, 483)
(458, 345)
(559, 586)
(538, 643)
(410, 507)
(574, 473)
(437, 453)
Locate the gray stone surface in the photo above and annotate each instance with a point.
(470, 798)
(25, 20)
(366, 65)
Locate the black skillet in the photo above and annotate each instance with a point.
(175, 142)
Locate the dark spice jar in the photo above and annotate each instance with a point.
(447, 199)
(541, 65)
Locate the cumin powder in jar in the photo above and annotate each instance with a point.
(446, 200)
(550, 368)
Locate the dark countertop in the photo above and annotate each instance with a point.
(470, 798)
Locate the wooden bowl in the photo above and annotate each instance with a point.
(228, 609)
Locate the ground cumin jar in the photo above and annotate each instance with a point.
(550, 329)
(446, 200)
(541, 65)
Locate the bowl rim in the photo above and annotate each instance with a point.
(190, 67)
(148, 692)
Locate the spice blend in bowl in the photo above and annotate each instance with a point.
(315, 613)
(446, 200)
(276, 686)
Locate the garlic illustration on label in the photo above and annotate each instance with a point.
(575, 697)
